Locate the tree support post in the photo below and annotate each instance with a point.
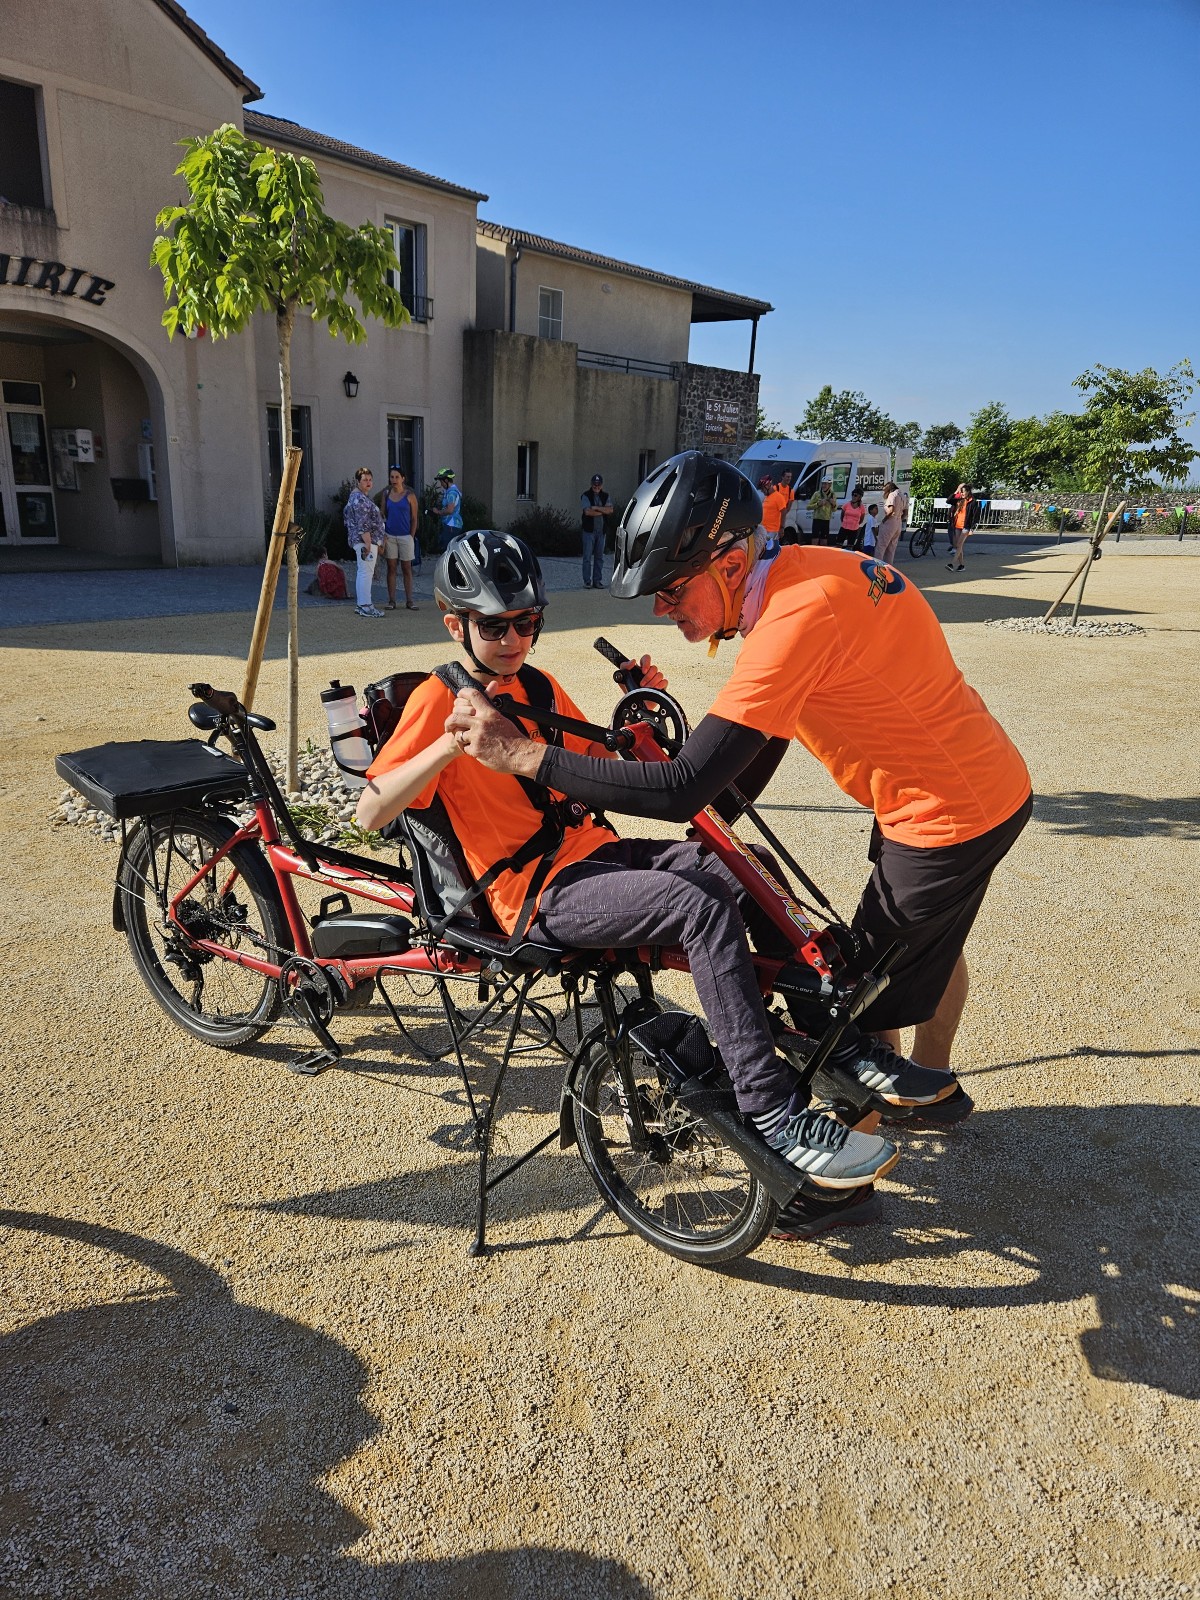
(1081, 570)
(266, 595)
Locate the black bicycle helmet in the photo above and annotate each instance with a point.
(680, 519)
(490, 573)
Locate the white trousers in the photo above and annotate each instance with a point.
(364, 572)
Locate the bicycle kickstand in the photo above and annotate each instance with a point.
(317, 1060)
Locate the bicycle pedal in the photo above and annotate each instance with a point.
(308, 1066)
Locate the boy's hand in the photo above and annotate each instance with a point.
(482, 732)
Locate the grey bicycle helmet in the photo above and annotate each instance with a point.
(680, 519)
(488, 572)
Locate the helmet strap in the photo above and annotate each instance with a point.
(733, 606)
(482, 665)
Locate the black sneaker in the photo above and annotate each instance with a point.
(806, 1217)
(829, 1154)
(947, 1113)
(891, 1079)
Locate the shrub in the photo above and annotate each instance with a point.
(932, 480)
(316, 526)
(548, 530)
(1074, 523)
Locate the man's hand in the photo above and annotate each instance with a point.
(652, 678)
(481, 731)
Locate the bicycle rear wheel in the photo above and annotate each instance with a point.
(236, 905)
(678, 1186)
(921, 541)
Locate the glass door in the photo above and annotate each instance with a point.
(26, 485)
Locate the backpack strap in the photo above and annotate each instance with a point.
(557, 815)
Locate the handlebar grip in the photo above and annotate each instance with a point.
(626, 677)
(455, 676)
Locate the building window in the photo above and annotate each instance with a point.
(647, 461)
(22, 169)
(302, 436)
(409, 242)
(405, 437)
(527, 470)
(549, 313)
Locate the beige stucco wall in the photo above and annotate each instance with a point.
(520, 388)
(412, 371)
(604, 311)
(121, 84)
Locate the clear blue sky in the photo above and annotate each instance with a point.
(946, 201)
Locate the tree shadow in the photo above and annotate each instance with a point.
(1038, 1206)
(1106, 815)
(173, 1442)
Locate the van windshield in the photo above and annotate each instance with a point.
(774, 469)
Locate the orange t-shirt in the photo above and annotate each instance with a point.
(489, 811)
(848, 657)
(775, 509)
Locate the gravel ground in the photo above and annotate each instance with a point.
(243, 1352)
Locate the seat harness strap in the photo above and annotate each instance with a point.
(557, 815)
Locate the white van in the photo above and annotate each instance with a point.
(849, 464)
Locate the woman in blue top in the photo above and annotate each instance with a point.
(365, 532)
(401, 518)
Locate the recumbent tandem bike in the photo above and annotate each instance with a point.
(216, 930)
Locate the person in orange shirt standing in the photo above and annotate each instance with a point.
(777, 497)
(844, 655)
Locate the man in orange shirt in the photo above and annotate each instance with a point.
(777, 497)
(844, 655)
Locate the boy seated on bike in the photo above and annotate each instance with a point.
(600, 892)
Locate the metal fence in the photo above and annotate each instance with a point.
(1172, 518)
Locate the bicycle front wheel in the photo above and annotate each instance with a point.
(921, 541)
(661, 1168)
(235, 905)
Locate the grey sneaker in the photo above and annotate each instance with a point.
(829, 1154)
(875, 1073)
(892, 1078)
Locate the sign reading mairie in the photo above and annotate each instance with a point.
(27, 272)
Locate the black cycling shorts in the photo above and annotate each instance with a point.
(928, 899)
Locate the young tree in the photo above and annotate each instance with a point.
(255, 236)
(1128, 435)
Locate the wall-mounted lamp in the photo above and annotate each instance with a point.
(350, 384)
(71, 379)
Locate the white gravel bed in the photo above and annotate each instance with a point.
(1064, 628)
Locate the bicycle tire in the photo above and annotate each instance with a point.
(689, 1194)
(218, 1001)
(921, 541)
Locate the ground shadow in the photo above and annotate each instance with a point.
(172, 1442)
(1038, 1205)
(1105, 815)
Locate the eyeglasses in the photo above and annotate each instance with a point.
(670, 597)
(527, 626)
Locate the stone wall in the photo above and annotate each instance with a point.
(717, 410)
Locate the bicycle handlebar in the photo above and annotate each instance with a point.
(624, 677)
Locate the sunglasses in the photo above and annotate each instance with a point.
(670, 597)
(527, 626)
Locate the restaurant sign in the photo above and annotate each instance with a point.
(722, 421)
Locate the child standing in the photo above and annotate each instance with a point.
(869, 526)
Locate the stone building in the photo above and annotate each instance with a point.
(120, 444)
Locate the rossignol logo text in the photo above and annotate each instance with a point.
(720, 518)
